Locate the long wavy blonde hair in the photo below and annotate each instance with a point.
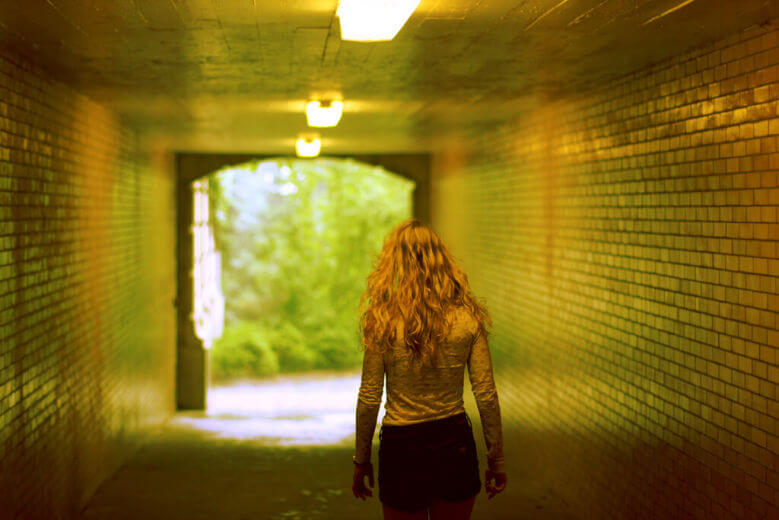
(415, 281)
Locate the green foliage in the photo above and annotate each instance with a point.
(244, 351)
(298, 239)
(291, 347)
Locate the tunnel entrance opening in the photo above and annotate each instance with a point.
(192, 170)
(281, 250)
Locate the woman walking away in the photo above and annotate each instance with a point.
(421, 327)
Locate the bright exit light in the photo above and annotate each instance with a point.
(305, 410)
(373, 20)
(308, 146)
(324, 113)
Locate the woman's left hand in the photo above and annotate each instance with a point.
(358, 484)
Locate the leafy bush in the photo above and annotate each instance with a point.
(330, 344)
(290, 346)
(243, 351)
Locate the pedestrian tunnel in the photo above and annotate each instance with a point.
(605, 172)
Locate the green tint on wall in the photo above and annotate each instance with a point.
(298, 239)
(87, 287)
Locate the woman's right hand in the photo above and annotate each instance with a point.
(499, 484)
(358, 482)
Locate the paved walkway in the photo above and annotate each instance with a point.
(273, 450)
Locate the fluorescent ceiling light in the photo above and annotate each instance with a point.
(308, 146)
(324, 113)
(373, 20)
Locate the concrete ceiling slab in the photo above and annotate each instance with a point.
(234, 75)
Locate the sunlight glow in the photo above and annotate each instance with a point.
(209, 304)
(373, 20)
(287, 411)
(287, 189)
(308, 147)
(324, 113)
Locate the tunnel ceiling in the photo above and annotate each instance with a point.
(233, 75)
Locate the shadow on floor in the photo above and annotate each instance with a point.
(275, 450)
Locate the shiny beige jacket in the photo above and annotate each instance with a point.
(432, 389)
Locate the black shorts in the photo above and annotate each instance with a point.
(435, 459)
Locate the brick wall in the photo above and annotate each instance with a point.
(625, 241)
(86, 290)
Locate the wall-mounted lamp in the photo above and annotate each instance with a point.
(373, 20)
(308, 146)
(324, 113)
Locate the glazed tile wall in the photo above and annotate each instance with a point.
(87, 332)
(625, 242)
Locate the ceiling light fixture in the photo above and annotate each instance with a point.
(324, 113)
(373, 20)
(308, 146)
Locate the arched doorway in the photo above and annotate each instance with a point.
(193, 313)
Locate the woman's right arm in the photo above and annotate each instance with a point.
(368, 402)
(486, 394)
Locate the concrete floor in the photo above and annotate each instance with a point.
(276, 450)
